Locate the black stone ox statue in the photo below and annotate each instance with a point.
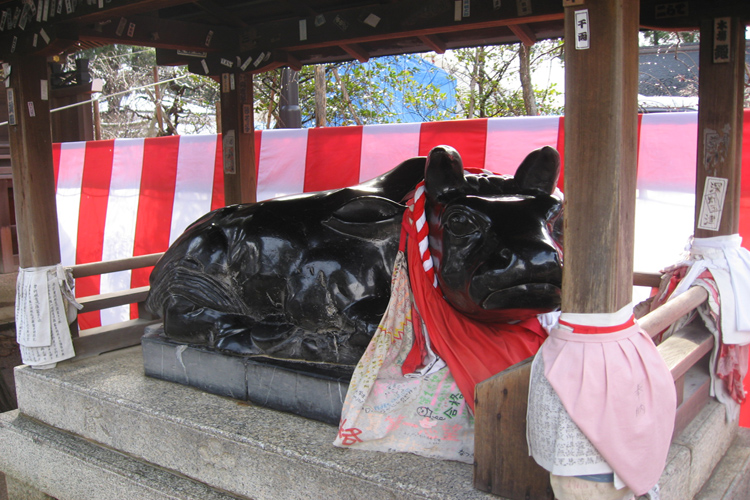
(307, 278)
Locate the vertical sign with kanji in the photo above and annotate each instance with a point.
(712, 205)
(582, 29)
(721, 40)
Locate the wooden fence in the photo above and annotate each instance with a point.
(101, 339)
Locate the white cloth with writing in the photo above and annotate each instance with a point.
(45, 306)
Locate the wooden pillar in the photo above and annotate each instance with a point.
(238, 136)
(76, 123)
(31, 153)
(721, 87)
(601, 126)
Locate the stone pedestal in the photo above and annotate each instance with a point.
(273, 385)
(100, 429)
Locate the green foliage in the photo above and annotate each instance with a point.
(489, 82)
(383, 90)
(481, 82)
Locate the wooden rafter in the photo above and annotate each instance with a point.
(524, 33)
(356, 51)
(417, 32)
(434, 42)
(225, 15)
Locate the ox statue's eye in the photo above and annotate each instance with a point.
(461, 224)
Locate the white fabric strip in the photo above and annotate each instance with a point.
(281, 165)
(729, 264)
(386, 146)
(122, 212)
(192, 192)
(510, 140)
(68, 198)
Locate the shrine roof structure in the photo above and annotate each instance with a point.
(218, 36)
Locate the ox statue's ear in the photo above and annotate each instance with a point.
(444, 174)
(539, 171)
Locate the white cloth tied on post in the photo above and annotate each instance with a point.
(729, 265)
(601, 399)
(45, 307)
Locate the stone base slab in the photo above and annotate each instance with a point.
(254, 452)
(41, 462)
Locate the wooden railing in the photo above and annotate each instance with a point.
(93, 341)
(502, 464)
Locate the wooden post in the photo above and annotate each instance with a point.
(8, 262)
(601, 123)
(157, 95)
(721, 87)
(238, 136)
(33, 173)
(97, 121)
(320, 96)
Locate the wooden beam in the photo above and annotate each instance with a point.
(161, 33)
(683, 349)
(434, 42)
(225, 15)
(686, 15)
(356, 51)
(721, 89)
(113, 299)
(524, 33)
(238, 136)
(417, 32)
(113, 266)
(657, 321)
(95, 341)
(86, 14)
(601, 108)
(408, 18)
(647, 279)
(213, 64)
(33, 172)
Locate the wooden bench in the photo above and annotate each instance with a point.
(502, 464)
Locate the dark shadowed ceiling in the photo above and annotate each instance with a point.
(216, 36)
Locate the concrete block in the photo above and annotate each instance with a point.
(18, 490)
(674, 482)
(731, 477)
(39, 461)
(707, 437)
(260, 453)
(231, 445)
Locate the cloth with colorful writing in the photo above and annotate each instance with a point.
(422, 412)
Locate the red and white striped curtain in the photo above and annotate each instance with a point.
(129, 197)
